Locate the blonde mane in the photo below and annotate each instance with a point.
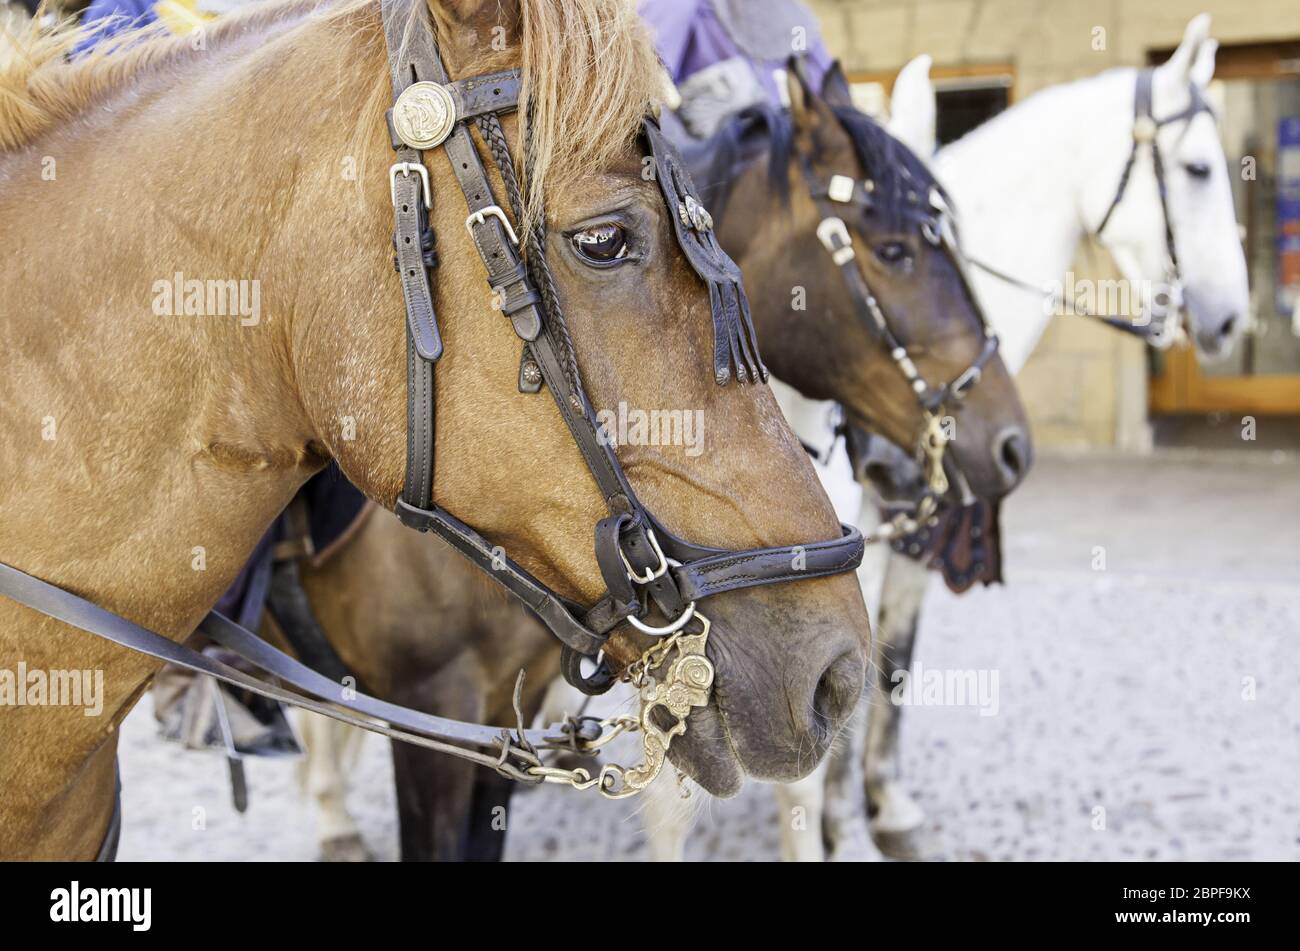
(589, 68)
(591, 74)
(43, 86)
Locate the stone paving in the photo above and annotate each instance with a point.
(1160, 695)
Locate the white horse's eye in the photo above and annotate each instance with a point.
(1199, 170)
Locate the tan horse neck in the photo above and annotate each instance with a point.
(143, 455)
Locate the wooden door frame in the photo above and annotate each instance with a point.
(940, 74)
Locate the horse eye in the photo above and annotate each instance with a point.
(893, 252)
(1197, 169)
(601, 244)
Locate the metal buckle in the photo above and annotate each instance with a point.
(494, 211)
(1166, 326)
(651, 573)
(937, 201)
(406, 168)
(840, 189)
(830, 231)
(671, 628)
(969, 377)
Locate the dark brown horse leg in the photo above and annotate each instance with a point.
(489, 817)
(893, 814)
(490, 814)
(435, 793)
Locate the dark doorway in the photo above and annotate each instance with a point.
(966, 104)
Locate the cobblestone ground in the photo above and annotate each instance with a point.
(1126, 689)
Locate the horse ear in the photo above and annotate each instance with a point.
(1179, 66)
(1202, 70)
(835, 86)
(912, 112)
(803, 102)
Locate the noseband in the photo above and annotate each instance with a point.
(932, 218)
(641, 562)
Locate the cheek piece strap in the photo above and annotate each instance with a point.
(1164, 319)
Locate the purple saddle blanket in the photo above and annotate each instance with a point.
(695, 36)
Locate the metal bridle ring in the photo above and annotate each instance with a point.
(671, 628)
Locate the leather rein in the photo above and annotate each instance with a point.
(643, 565)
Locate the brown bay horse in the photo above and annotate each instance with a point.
(462, 659)
(147, 444)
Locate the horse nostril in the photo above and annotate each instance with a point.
(1012, 454)
(1228, 326)
(838, 690)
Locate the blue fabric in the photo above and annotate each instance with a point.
(134, 13)
(690, 37)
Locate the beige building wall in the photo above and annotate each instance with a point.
(1086, 386)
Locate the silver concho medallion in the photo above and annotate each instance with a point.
(424, 115)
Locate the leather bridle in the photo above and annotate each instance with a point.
(1146, 128)
(1159, 329)
(932, 218)
(641, 562)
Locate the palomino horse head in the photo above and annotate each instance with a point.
(816, 334)
(788, 658)
(1198, 197)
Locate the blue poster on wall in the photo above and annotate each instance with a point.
(1288, 216)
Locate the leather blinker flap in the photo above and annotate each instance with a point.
(735, 343)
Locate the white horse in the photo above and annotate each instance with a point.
(1029, 186)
